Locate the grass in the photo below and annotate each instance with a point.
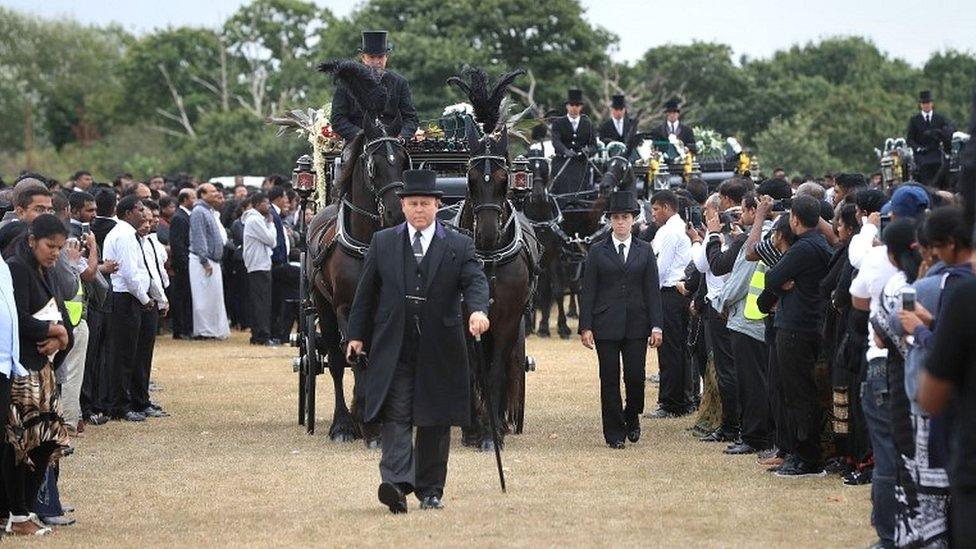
(231, 467)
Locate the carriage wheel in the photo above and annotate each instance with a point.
(312, 367)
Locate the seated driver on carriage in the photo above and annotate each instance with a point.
(347, 114)
(574, 139)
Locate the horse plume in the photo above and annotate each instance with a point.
(486, 102)
(361, 81)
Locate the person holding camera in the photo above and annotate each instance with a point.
(620, 315)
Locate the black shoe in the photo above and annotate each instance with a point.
(634, 434)
(391, 496)
(740, 449)
(617, 445)
(858, 478)
(132, 416)
(798, 468)
(431, 502)
(660, 413)
(182, 337)
(152, 411)
(98, 419)
(718, 435)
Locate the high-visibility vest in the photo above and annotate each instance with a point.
(756, 286)
(76, 307)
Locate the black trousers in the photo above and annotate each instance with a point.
(797, 353)
(619, 418)
(259, 288)
(720, 343)
(415, 466)
(751, 358)
(125, 325)
(181, 303)
(139, 385)
(962, 515)
(672, 357)
(96, 361)
(284, 286)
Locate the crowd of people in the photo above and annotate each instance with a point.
(826, 317)
(93, 274)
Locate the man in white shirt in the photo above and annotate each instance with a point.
(260, 239)
(133, 295)
(154, 255)
(717, 335)
(673, 250)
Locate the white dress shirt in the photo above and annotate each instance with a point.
(713, 284)
(673, 250)
(927, 116)
(618, 123)
(9, 327)
(122, 245)
(673, 127)
(426, 235)
(574, 122)
(155, 254)
(626, 243)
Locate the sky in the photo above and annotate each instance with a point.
(907, 29)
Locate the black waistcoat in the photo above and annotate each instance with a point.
(415, 278)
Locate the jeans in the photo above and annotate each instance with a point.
(877, 414)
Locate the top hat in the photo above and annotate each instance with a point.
(618, 102)
(419, 183)
(623, 202)
(574, 97)
(374, 43)
(925, 96)
(672, 106)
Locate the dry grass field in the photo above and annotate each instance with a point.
(231, 467)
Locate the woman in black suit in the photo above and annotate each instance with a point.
(35, 432)
(620, 314)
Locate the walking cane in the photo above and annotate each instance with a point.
(491, 409)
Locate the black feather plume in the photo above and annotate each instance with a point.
(485, 102)
(362, 82)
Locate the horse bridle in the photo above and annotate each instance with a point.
(500, 209)
(369, 165)
(613, 160)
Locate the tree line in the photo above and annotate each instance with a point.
(194, 99)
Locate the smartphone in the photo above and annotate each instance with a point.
(908, 299)
(85, 229)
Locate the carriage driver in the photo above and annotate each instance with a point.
(407, 315)
(347, 115)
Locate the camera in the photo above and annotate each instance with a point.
(693, 215)
(885, 219)
(782, 205)
(85, 230)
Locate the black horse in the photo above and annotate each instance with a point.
(503, 242)
(339, 237)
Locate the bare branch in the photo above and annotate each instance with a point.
(167, 131)
(183, 119)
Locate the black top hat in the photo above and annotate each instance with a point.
(574, 97)
(925, 96)
(618, 102)
(672, 106)
(623, 202)
(374, 43)
(419, 183)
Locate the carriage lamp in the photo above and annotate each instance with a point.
(888, 171)
(520, 178)
(662, 177)
(303, 176)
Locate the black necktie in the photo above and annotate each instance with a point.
(620, 251)
(418, 247)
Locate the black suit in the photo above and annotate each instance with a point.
(621, 303)
(347, 115)
(928, 140)
(572, 149)
(418, 362)
(684, 133)
(608, 131)
(96, 386)
(181, 301)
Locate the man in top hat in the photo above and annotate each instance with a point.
(929, 134)
(574, 139)
(673, 126)
(619, 126)
(347, 115)
(407, 315)
(620, 314)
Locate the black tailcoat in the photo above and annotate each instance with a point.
(347, 115)
(608, 132)
(378, 316)
(685, 134)
(929, 139)
(620, 300)
(572, 170)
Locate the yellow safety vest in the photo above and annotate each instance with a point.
(756, 286)
(76, 307)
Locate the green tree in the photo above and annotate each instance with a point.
(796, 145)
(951, 75)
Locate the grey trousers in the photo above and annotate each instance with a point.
(415, 466)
